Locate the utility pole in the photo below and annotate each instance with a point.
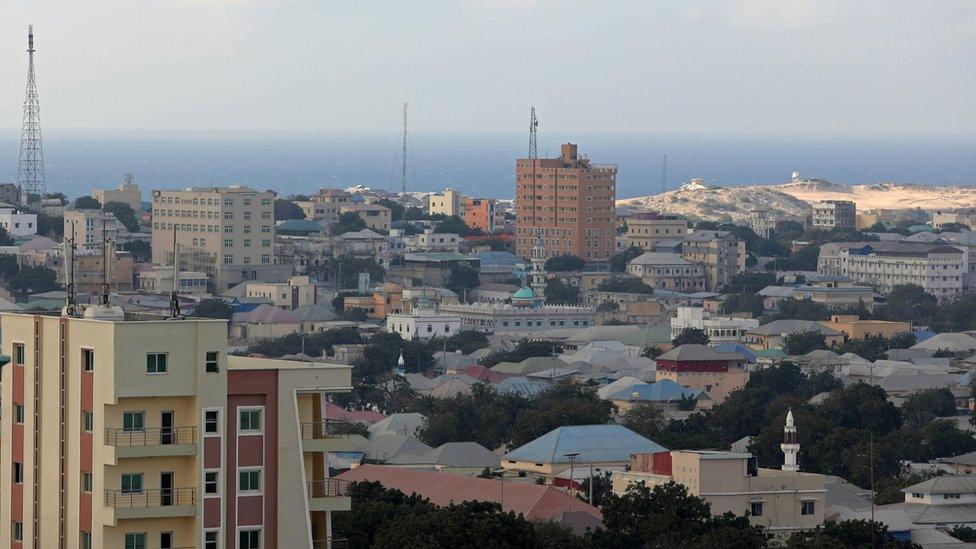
(871, 460)
(403, 153)
(30, 166)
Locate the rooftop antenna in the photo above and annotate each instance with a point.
(403, 153)
(174, 298)
(105, 256)
(69, 272)
(537, 251)
(30, 165)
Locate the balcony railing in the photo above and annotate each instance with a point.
(150, 437)
(328, 488)
(164, 497)
(327, 428)
(331, 543)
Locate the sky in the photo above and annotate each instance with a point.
(726, 67)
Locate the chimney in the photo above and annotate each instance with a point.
(569, 152)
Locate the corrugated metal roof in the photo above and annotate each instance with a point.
(661, 391)
(592, 443)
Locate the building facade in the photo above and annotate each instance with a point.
(938, 268)
(126, 193)
(718, 252)
(668, 271)
(226, 232)
(645, 229)
(524, 315)
(720, 329)
(449, 203)
(963, 216)
(833, 214)
(326, 205)
(376, 217)
(144, 433)
(89, 228)
(564, 206)
(18, 223)
(479, 213)
(296, 292)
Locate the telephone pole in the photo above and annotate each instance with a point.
(30, 166)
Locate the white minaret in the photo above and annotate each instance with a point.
(790, 446)
(538, 277)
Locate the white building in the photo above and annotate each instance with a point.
(17, 223)
(720, 329)
(424, 321)
(160, 280)
(526, 314)
(937, 267)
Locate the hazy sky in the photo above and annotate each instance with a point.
(728, 67)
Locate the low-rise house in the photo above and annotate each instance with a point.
(771, 334)
(951, 342)
(668, 271)
(424, 321)
(375, 217)
(702, 368)
(465, 458)
(854, 328)
(403, 423)
(297, 291)
(664, 394)
(264, 321)
(364, 243)
(720, 329)
(940, 502)
(578, 446)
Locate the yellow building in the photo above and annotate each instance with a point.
(127, 193)
(122, 432)
(448, 203)
(376, 217)
(855, 328)
(298, 291)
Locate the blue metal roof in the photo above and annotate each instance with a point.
(593, 444)
(522, 386)
(736, 348)
(661, 391)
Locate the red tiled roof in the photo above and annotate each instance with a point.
(534, 501)
(482, 373)
(334, 411)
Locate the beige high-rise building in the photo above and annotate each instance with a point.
(565, 205)
(645, 229)
(448, 203)
(127, 193)
(326, 205)
(720, 252)
(145, 434)
(226, 232)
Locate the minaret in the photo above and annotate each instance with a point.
(790, 445)
(538, 276)
(30, 167)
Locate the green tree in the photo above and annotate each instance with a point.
(462, 280)
(690, 335)
(602, 487)
(313, 344)
(750, 282)
(801, 309)
(33, 280)
(414, 213)
(801, 343)
(558, 292)
(645, 419)
(348, 222)
(743, 303)
(141, 250)
(87, 203)
(848, 533)
(909, 302)
(213, 308)
(455, 224)
(667, 516)
(396, 210)
(953, 227)
(566, 262)
(9, 266)
(346, 269)
(618, 263)
(902, 340)
(964, 533)
(124, 214)
(560, 405)
(287, 209)
(625, 284)
(51, 226)
(466, 341)
(484, 416)
(523, 350)
(5, 238)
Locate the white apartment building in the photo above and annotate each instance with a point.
(18, 223)
(227, 232)
(424, 321)
(965, 216)
(645, 229)
(720, 329)
(937, 267)
(296, 292)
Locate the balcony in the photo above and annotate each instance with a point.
(330, 436)
(154, 503)
(154, 442)
(328, 495)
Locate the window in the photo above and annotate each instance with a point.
(18, 413)
(85, 541)
(86, 482)
(756, 509)
(87, 360)
(210, 482)
(950, 496)
(250, 420)
(249, 480)
(228, 242)
(228, 259)
(210, 364)
(18, 473)
(19, 354)
(17, 531)
(807, 507)
(156, 363)
(132, 483)
(247, 242)
(211, 422)
(210, 540)
(135, 541)
(133, 421)
(87, 421)
(248, 539)
(228, 228)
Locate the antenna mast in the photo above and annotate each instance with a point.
(30, 166)
(69, 271)
(105, 256)
(174, 298)
(537, 249)
(403, 153)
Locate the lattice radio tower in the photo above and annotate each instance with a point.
(403, 154)
(30, 167)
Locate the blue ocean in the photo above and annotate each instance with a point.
(482, 164)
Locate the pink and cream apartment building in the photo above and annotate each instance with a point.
(145, 434)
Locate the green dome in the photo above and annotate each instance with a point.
(524, 293)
